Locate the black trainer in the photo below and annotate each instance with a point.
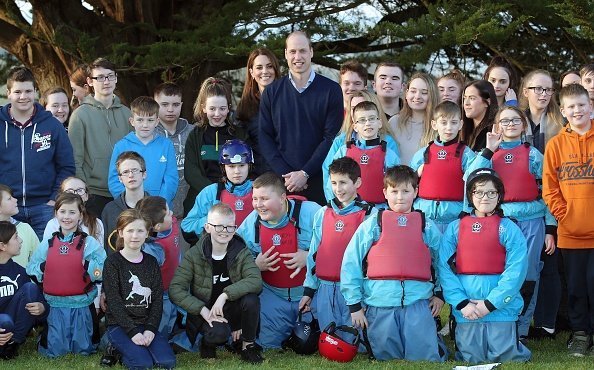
(540, 333)
(207, 350)
(252, 354)
(111, 357)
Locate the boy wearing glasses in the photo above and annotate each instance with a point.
(158, 152)
(95, 126)
(218, 283)
(369, 150)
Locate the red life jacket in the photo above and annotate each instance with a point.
(65, 271)
(284, 240)
(400, 252)
(337, 231)
(170, 245)
(442, 163)
(242, 206)
(513, 166)
(479, 251)
(371, 162)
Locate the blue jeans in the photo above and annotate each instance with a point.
(158, 354)
(36, 216)
(16, 318)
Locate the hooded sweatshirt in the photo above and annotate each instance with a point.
(178, 138)
(35, 159)
(568, 186)
(93, 131)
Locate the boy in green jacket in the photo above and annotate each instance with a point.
(218, 284)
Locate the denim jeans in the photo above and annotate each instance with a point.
(36, 216)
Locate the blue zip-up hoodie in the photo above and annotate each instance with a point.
(161, 167)
(36, 159)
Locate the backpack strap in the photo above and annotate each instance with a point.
(220, 188)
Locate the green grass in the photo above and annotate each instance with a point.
(546, 354)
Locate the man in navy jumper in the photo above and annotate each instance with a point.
(300, 114)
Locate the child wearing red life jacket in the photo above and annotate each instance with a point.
(369, 150)
(520, 167)
(235, 189)
(482, 265)
(441, 166)
(69, 265)
(386, 276)
(333, 228)
(134, 295)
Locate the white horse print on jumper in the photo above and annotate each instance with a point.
(137, 288)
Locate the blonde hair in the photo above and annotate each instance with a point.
(406, 112)
(347, 123)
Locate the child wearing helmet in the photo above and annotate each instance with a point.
(482, 265)
(386, 276)
(235, 189)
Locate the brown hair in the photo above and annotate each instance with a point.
(354, 66)
(401, 174)
(89, 220)
(447, 109)
(210, 87)
(250, 97)
(487, 94)
(7, 230)
(572, 90)
(302, 33)
(500, 62)
(272, 180)
(62, 184)
(100, 63)
(144, 106)
(388, 64)
(457, 76)
(20, 74)
(167, 89)
(587, 69)
(79, 76)
(126, 218)
(51, 91)
(345, 166)
(130, 155)
(433, 100)
(347, 123)
(517, 110)
(567, 73)
(154, 209)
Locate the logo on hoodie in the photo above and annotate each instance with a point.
(41, 141)
(162, 159)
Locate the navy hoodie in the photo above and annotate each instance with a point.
(34, 160)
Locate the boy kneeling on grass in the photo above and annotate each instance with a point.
(218, 284)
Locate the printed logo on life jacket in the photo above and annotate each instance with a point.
(162, 159)
(276, 240)
(41, 141)
(509, 158)
(239, 205)
(476, 227)
(402, 220)
(442, 154)
(339, 226)
(364, 159)
(64, 249)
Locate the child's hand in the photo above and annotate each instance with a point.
(35, 308)
(236, 335)
(549, 244)
(359, 320)
(510, 94)
(5, 337)
(103, 302)
(435, 304)
(217, 308)
(148, 337)
(304, 303)
(468, 312)
(494, 138)
(139, 339)
(296, 262)
(266, 261)
(205, 313)
(480, 308)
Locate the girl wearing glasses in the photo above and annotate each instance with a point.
(88, 223)
(370, 151)
(520, 167)
(482, 263)
(540, 105)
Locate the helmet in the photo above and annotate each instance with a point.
(236, 151)
(304, 338)
(335, 348)
(484, 174)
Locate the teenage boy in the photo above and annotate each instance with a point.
(387, 84)
(161, 173)
(169, 97)
(217, 283)
(353, 78)
(132, 169)
(387, 268)
(587, 81)
(36, 154)
(278, 233)
(95, 126)
(333, 228)
(568, 190)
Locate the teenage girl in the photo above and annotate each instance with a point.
(69, 265)
(501, 74)
(55, 100)
(480, 106)
(450, 86)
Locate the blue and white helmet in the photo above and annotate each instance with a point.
(236, 152)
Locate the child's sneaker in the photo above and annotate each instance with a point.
(579, 343)
(252, 354)
(207, 350)
(111, 356)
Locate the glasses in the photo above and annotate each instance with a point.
(491, 194)
(132, 171)
(102, 78)
(220, 228)
(363, 121)
(510, 122)
(539, 90)
(79, 191)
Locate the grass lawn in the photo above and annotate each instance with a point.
(547, 354)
